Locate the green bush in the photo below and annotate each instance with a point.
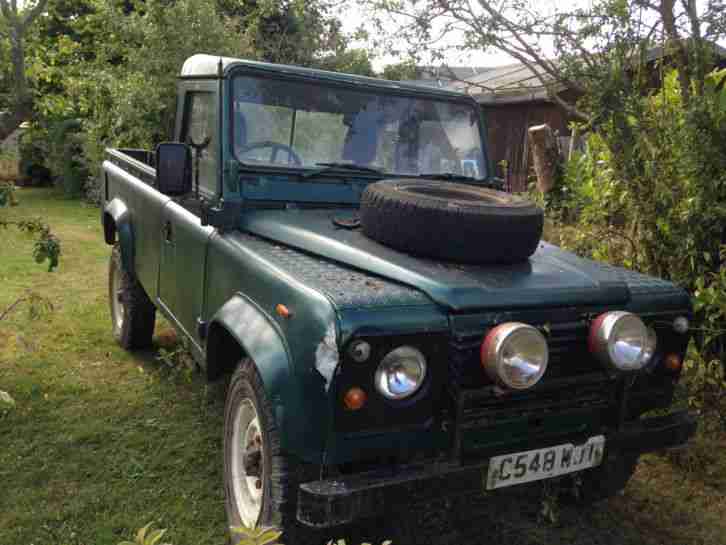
(33, 149)
(649, 193)
(65, 157)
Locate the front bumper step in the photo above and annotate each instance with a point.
(332, 502)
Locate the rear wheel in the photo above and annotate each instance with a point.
(132, 312)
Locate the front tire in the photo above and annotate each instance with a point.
(132, 313)
(606, 480)
(260, 481)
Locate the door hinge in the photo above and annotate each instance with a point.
(224, 216)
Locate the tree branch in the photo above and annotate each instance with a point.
(453, 77)
(546, 65)
(33, 13)
(669, 24)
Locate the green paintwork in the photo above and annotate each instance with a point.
(550, 277)
(217, 284)
(290, 378)
(116, 220)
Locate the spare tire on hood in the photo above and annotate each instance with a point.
(451, 221)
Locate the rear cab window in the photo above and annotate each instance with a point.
(200, 129)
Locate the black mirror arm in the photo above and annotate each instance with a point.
(198, 148)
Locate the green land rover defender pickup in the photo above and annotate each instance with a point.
(393, 326)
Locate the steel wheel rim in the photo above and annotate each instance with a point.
(247, 489)
(117, 308)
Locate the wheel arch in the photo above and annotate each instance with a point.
(241, 329)
(116, 219)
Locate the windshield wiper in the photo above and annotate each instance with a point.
(332, 166)
(446, 176)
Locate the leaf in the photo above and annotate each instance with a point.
(155, 536)
(141, 534)
(7, 398)
(268, 536)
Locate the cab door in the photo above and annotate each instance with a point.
(183, 239)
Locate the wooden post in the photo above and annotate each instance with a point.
(545, 156)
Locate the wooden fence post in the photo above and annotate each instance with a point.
(545, 156)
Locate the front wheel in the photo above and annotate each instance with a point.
(260, 481)
(607, 479)
(132, 312)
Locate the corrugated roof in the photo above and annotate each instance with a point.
(441, 76)
(505, 84)
(516, 83)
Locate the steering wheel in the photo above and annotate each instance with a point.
(275, 147)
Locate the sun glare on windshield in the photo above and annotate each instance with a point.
(296, 124)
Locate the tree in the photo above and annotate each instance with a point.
(350, 61)
(400, 70)
(303, 32)
(113, 65)
(14, 25)
(593, 51)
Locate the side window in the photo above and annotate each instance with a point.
(200, 125)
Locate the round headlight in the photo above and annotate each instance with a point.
(401, 373)
(515, 355)
(621, 341)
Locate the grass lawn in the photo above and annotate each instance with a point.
(102, 442)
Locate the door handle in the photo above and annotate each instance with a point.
(167, 232)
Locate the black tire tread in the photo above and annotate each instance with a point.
(604, 481)
(430, 227)
(139, 312)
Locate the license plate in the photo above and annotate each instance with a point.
(534, 465)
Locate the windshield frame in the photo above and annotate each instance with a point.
(403, 92)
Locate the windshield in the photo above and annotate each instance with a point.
(304, 125)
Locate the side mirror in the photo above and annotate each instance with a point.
(173, 168)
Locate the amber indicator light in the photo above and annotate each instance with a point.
(283, 311)
(354, 399)
(673, 362)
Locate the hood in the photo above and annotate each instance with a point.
(551, 277)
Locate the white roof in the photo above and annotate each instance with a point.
(205, 65)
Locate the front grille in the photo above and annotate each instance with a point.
(486, 407)
(567, 343)
(574, 387)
